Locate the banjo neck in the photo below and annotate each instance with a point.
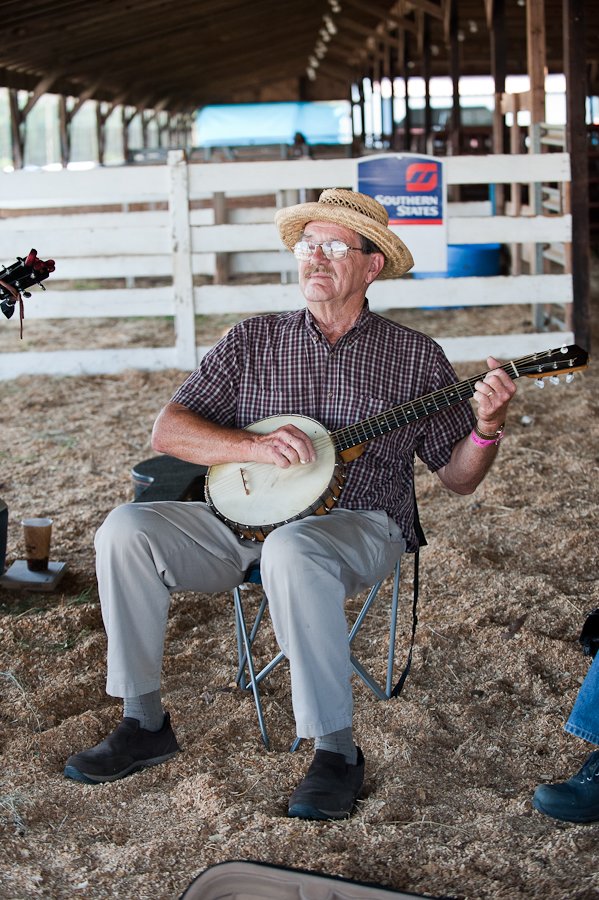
(349, 441)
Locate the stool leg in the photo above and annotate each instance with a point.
(367, 604)
(240, 678)
(245, 639)
(270, 666)
(377, 690)
(367, 678)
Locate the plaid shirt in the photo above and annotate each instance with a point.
(282, 364)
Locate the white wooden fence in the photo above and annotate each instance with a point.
(170, 237)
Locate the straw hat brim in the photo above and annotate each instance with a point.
(292, 220)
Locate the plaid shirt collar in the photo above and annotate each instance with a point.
(350, 336)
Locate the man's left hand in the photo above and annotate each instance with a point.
(493, 395)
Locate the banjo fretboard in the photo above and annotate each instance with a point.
(537, 365)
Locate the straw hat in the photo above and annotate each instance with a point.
(353, 210)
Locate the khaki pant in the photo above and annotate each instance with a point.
(309, 567)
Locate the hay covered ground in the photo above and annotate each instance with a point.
(507, 579)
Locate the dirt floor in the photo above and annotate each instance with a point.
(508, 577)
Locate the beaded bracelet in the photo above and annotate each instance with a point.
(488, 437)
(483, 442)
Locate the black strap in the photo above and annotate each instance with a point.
(399, 686)
(420, 536)
(421, 543)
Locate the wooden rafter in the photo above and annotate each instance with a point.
(217, 52)
(429, 7)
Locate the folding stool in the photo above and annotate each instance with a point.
(248, 679)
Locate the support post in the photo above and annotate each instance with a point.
(388, 102)
(405, 70)
(454, 64)
(64, 125)
(66, 116)
(426, 74)
(536, 58)
(221, 275)
(498, 71)
(576, 145)
(126, 119)
(362, 103)
(185, 337)
(536, 53)
(17, 129)
(511, 104)
(103, 112)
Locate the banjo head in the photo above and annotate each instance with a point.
(262, 495)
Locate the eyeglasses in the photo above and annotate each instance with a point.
(332, 249)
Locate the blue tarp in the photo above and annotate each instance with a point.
(244, 124)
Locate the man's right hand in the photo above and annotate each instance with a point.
(284, 447)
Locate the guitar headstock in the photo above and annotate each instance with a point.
(563, 360)
(21, 275)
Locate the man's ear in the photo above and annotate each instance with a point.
(377, 261)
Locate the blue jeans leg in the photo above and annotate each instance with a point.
(584, 718)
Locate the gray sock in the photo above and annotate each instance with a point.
(339, 742)
(147, 709)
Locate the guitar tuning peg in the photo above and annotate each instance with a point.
(563, 349)
(554, 379)
(569, 377)
(540, 382)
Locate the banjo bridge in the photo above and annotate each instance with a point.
(244, 482)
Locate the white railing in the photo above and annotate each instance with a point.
(158, 222)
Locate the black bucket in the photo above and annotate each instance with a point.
(167, 478)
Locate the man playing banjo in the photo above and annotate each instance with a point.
(311, 374)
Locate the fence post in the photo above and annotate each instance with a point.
(221, 275)
(178, 201)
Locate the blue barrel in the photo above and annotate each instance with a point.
(465, 260)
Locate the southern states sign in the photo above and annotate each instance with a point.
(413, 191)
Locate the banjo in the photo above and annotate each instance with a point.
(18, 277)
(255, 498)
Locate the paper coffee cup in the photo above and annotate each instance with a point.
(37, 534)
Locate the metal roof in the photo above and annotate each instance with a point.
(159, 54)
